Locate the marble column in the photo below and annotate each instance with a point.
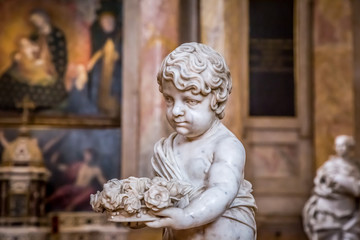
(221, 29)
(333, 75)
(130, 91)
(151, 32)
(159, 36)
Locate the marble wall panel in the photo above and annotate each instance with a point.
(221, 29)
(159, 36)
(274, 161)
(333, 75)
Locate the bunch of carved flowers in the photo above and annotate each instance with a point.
(132, 194)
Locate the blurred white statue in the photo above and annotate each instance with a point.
(333, 213)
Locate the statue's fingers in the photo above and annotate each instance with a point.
(157, 224)
(163, 213)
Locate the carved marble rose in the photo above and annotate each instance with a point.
(157, 197)
(129, 196)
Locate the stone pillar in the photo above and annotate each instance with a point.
(221, 29)
(213, 24)
(152, 28)
(333, 75)
(130, 89)
(159, 36)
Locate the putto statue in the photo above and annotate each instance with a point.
(333, 211)
(202, 157)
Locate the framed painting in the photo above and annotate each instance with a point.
(65, 57)
(80, 162)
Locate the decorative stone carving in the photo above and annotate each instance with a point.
(333, 211)
(195, 82)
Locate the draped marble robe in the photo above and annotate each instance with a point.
(333, 211)
(165, 165)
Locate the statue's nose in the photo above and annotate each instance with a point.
(178, 109)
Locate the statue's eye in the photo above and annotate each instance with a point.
(169, 100)
(192, 102)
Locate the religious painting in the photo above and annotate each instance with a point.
(64, 56)
(80, 162)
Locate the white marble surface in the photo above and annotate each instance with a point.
(333, 211)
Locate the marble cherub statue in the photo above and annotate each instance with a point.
(333, 211)
(195, 82)
(199, 192)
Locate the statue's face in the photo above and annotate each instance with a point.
(190, 115)
(342, 147)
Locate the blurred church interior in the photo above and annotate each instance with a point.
(78, 93)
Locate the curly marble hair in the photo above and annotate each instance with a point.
(200, 69)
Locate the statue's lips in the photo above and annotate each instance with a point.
(180, 124)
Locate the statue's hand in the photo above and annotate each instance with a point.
(175, 218)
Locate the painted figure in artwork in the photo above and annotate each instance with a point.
(42, 58)
(32, 64)
(195, 82)
(97, 87)
(104, 67)
(38, 66)
(333, 211)
(80, 175)
(49, 36)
